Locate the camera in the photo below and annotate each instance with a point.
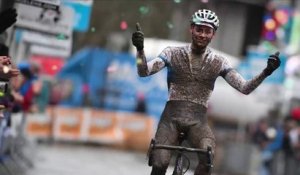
(4, 83)
(3, 88)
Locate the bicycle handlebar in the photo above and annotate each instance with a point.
(207, 152)
(179, 148)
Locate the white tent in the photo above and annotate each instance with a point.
(226, 102)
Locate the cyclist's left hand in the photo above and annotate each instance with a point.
(273, 63)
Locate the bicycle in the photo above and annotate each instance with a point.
(178, 169)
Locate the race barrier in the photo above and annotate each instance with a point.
(102, 127)
(68, 124)
(122, 129)
(137, 130)
(40, 125)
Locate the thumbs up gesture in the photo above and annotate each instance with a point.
(138, 38)
(273, 63)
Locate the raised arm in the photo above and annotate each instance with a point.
(145, 68)
(148, 68)
(238, 82)
(246, 87)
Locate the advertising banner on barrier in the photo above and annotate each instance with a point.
(39, 126)
(124, 129)
(68, 124)
(103, 127)
(138, 130)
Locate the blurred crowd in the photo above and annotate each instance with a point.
(21, 91)
(279, 145)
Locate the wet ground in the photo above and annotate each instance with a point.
(66, 159)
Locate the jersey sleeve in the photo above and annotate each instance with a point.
(146, 68)
(235, 79)
(226, 67)
(166, 55)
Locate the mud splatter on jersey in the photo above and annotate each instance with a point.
(192, 77)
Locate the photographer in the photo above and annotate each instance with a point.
(8, 16)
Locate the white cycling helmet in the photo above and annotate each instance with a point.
(205, 17)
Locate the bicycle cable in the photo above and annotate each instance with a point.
(188, 161)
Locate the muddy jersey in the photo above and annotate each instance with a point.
(192, 77)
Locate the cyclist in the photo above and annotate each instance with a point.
(192, 71)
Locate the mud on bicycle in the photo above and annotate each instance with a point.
(179, 163)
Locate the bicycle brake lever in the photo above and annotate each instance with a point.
(151, 147)
(209, 164)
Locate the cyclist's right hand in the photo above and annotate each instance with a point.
(138, 38)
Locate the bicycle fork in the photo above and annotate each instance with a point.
(178, 170)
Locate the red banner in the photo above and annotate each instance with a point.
(49, 65)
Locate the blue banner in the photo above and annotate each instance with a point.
(124, 85)
(113, 82)
(82, 15)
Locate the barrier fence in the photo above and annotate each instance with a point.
(123, 129)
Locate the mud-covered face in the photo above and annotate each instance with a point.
(201, 35)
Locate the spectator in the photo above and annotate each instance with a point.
(141, 104)
(291, 145)
(24, 93)
(6, 100)
(7, 18)
(269, 141)
(259, 137)
(40, 89)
